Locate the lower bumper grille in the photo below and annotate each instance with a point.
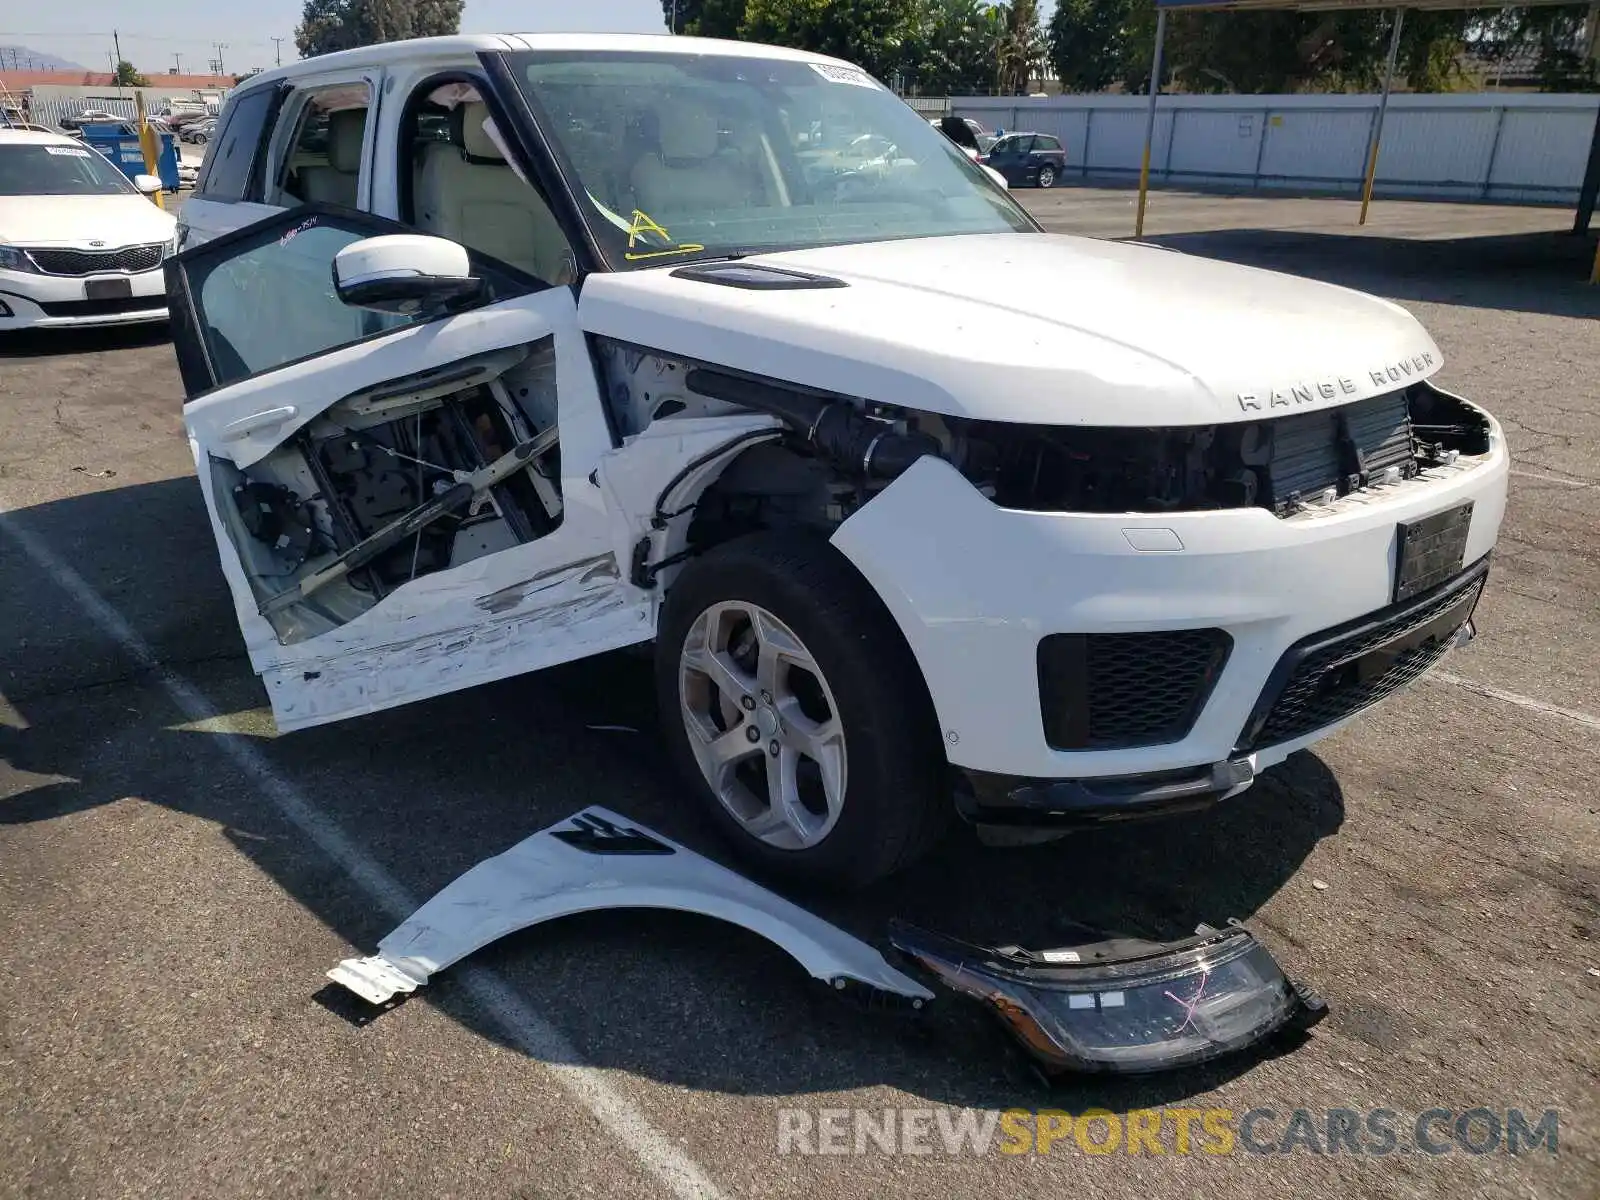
(1108, 691)
(1335, 674)
(127, 259)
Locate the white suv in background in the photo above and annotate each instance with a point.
(79, 243)
(504, 351)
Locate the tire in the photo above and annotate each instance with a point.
(1047, 176)
(890, 799)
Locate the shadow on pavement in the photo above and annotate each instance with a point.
(1539, 272)
(67, 341)
(431, 789)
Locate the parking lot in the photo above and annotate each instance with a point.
(175, 879)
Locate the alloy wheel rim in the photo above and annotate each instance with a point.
(763, 725)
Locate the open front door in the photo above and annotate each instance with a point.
(398, 511)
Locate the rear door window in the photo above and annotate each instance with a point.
(231, 170)
(322, 162)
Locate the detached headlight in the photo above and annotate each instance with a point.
(14, 258)
(1125, 1005)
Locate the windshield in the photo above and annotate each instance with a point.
(683, 156)
(39, 170)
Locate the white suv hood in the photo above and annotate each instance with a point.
(1033, 328)
(126, 219)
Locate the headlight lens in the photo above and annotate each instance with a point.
(1124, 1006)
(14, 258)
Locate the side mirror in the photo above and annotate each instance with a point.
(148, 185)
(405, 273)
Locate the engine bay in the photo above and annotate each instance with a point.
(396, 482)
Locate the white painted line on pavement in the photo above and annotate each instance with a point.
(1517, 698)
(522, 1024)
(1572, 483)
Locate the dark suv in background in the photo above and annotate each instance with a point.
(1028, 159)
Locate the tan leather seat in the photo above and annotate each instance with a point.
(686, 174)
(336, 182)
(470, 194)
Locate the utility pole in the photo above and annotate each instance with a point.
(221, 46)
(117, 42)
(277, 49)
(674, 16)
(177, 61)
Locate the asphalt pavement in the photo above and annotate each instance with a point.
(175, 877)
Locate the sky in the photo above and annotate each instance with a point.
(153, 33)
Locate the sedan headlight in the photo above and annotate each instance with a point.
(1125, 1005)
(15, 258)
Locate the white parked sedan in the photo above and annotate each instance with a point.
(79, 243)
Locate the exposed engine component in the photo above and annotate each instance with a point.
(1284, 464)
(833, 426)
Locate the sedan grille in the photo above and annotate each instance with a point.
(128, 260)
(1107, 691)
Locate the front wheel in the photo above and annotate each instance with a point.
(1047, 176)
(797, 714)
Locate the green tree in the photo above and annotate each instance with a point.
(128, 77)
(876, 34)
(1088, 43)
(1276, 52)
(705, 18)
(950, 48)
(330, 25)
(1019, 46)
(1555, 36)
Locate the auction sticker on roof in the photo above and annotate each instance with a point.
(835, 74)
(68, 151)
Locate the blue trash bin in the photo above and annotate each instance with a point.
(127, 155)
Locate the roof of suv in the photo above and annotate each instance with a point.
(479, 43)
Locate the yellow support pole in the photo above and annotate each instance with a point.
(1150, 122)
(1383, 108)
(148, 145)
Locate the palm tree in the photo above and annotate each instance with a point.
(1019, 45)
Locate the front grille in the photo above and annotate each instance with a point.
(128, 260)
(1108, 691)
(102, 308)
(1341, 449)
(1335, 674)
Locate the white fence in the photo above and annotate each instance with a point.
(1517, 148)
(47, 104)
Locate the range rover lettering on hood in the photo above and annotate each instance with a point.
(1418, 366)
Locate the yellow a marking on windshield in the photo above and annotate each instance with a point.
(687, 248)
(642, 224)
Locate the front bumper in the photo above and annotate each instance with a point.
(49, 301)
(976, 588)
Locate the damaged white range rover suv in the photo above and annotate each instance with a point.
(502, 352)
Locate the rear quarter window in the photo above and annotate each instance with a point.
(230, 171)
